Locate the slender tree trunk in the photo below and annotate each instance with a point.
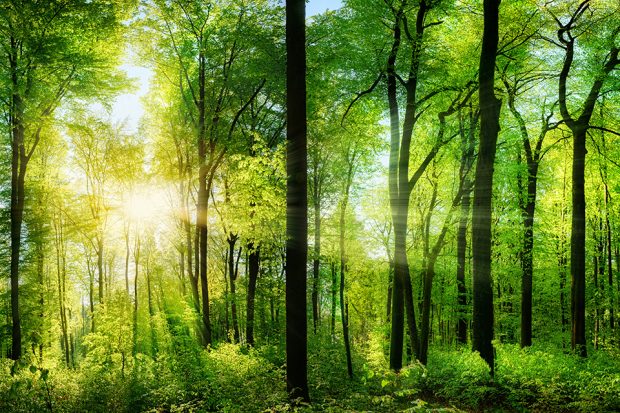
(232, 276)
(61, 275)
(127, 253)
(40, 266)
(150, 304)
(100, 268)
(91, 293)
(579, 129)
(343, 264)
(490, 108)
(317, 254)
(527, 256)
(136, 256)
(191, 268)
(296, 203)
(460, 272)
(253, 270)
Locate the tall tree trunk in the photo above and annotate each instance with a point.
(100, 269)
(527, 256)
(136, 256)
(91, 292)
(194, 274)
(490, 108)
(460, 271)
(61, 268)
(577, 246)
(316, 260)
(150, 304)
(400, 185)
(127, 253)
(468, 142)
(232, 276)
(579, 128)
(253, 270)
(296, 203)
(18, 173)
(343, 263)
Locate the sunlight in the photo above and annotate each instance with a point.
(145, 204)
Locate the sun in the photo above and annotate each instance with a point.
(145, 204)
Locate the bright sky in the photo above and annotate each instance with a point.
(128, 107)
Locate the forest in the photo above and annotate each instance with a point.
(281, 205)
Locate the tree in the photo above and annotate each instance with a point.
(579, 123)
(48, 43)
(490, 107)
(296, 202)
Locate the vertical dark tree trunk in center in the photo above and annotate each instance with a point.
(296, 203)
(253, 270)
(490, 107)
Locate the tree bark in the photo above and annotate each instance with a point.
(296, 203)
(490, 108)
(253, 271)
(18, 173)
(316, 262)
(343, 263)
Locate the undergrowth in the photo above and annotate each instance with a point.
(233, 378)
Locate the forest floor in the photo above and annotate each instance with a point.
(233, 378)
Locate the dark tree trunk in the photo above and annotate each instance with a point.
(351, 159)
(232, 276)
(91, 293)
(527, 256)
(579, 128)
(460, 272)
(18, 174)
(136, 256)
(193, 251)
(317, 254)
(296, 203)
(528, 209)
(483, 187)
(127, 253)
(253, 270)
(577, 247)
(100, 267)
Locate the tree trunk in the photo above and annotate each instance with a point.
(100, 268)
(317, 254)
(344, 314)
(577, 246)
(18, 173)
(127, 253)
(490, 108)
(527, 256)
(232, 276)
(136, 256)
(296, 203)
(253, 264)
(460, 272)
